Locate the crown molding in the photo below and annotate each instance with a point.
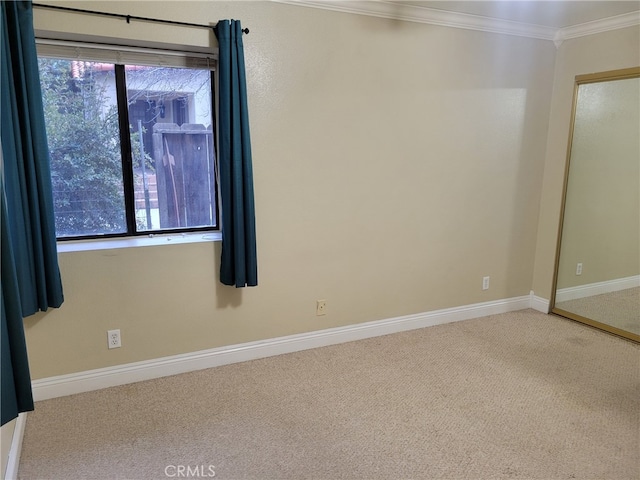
(431, 16)
(630, 19)
(419, 14)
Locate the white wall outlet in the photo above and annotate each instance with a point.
(485, 283)
(113, 337)
(321, 307)
(579, 269)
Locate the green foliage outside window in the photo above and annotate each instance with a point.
(84, 146)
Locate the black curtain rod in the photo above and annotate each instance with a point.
(128, 18)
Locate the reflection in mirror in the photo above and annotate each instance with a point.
(597, 278)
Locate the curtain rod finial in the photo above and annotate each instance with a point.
(246, 31)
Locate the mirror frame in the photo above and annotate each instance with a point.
(611, 75)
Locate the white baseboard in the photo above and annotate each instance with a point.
(16, 448)
(598, 288)
(538, 303)
(70, 384)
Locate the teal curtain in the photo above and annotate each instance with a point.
(239, 259)
(30, 273)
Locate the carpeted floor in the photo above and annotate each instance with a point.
(518, 395)
(619, 309)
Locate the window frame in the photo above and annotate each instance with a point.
(152, 56)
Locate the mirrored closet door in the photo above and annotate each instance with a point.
(597, 274)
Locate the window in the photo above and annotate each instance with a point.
(131, 140)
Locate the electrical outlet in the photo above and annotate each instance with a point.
(321, 307)
(579, 269)
(113, 337)
(485, 283)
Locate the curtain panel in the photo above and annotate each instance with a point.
(30, 272)
(239, 258)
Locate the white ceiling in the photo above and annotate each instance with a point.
(549, 13)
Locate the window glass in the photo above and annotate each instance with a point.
(172, 147)
(160, 177)
(81, 116)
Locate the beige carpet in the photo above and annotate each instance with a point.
(619, 309)
(521, 395)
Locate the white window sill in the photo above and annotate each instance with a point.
(142, 241)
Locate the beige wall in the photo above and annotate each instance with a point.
(594, 53)
(396, 164)
(601, 227)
